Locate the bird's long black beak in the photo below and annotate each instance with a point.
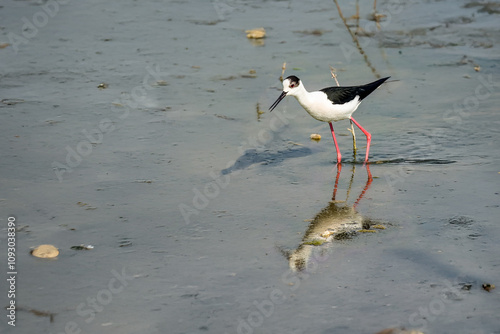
(275, 104)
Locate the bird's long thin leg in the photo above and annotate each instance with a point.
(339, 156)
(368, 137)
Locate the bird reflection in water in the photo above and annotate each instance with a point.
(337, 221)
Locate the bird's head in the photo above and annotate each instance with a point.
(291, 86)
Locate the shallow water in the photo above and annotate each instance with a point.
(193, 199)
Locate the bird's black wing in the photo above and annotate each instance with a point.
(341, 95)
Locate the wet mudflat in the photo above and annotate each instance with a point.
(137, 127)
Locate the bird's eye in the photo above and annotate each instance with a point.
(293, 84)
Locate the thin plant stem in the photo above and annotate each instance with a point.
(356, 41)
(354, 147)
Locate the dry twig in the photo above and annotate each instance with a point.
(351, 130)
(283, 68)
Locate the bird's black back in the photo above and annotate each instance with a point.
(341, 95)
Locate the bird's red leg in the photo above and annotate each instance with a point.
(339, 156)
(368, 137)
(339, 169)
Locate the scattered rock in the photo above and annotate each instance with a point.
(82, 247)
(488, 287)
(315, 136)
(460, 220)
(256, 33)
(45, 251)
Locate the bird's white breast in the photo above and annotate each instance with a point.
(321, 108)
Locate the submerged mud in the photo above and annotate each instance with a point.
(141, 128)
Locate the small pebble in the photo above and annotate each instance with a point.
(256, 33)
(315, 136)
(45, 251)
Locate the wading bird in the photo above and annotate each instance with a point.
(330, 104)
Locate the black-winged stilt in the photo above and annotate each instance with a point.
(330, 104)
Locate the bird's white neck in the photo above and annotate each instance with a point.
(303, 97)
(301, 94)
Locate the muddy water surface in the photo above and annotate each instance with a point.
(194, 201)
